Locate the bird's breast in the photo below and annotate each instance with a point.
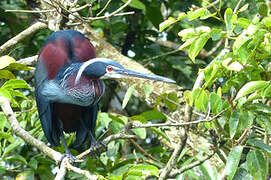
(84, 93)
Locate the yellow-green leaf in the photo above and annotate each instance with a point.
(5, 61)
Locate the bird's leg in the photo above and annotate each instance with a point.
(95, 146)
(67, 151)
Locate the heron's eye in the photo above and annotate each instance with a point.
(109, 68)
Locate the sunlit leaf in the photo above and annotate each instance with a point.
(256, 164)
(251, 87)
(143, 171)
(197, 45)
(128, 95)
(140, 132)
(192, 15)
(16, 157)
(166, 23)
(233, 161)
(5, 61)
(234, 121)
(136, 4)
(15, 83)
(5, 74)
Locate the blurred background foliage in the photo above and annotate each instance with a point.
(236, 64)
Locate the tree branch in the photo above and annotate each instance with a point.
(19, 131)
(32, 29)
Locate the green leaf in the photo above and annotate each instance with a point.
(197, 45)
(15, 83)
(251, 87)
(33, 163)
(12, 146)
(234, 121)
(5, 74)
(216, 103)
(5, 93)
(161, 133)
(201, 102)
(154, 14)
(153, 115)
(262, 9)
(256, 164)
(260, 144)
(5, 61)
(136, 4)
(17, 93)
(7, 136)
(192, 15)
(26, 175)
(128, 95)
(166, 23)
(104, 119)
(233, 161)
(243, 8)
(228, 19)
(18, 67)
(243, 22)
(16, 157)
(267, 21)
(140, 132)
(188, 96)
(143, 171)
(172, 98)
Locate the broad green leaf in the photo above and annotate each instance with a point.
(128, 95)
(233, 161)
(197, 45)
(216, 103)
(104, 119)
(234, 121)
(261, 145)
(166, 23)
(12, 146)
(256, 164)
(187, 34)
(136, 4)
(209, 171)
(243, 22)
(147, 90)
(251, 87)
(153, 13)
(17, 93)
(243, 8)
(5, 93)
(15, 83)
(201, 102)
(5, 74)
(181, 15)
(262, 9)
(267, 91)
(228, 19)
(16, 157)
(153, 115)
(5, 61)
(18, 67)
(188, 96)
(140, 132)
(192, 15)
(7, 136)
(143, 171)
(267, 21)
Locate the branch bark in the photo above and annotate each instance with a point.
(32, 29)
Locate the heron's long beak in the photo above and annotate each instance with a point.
(126, 73)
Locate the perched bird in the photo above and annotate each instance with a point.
(68, 86)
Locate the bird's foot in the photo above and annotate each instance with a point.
(94, 148)
(71, 158)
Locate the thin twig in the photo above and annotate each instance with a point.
(111, 14)
(29, 31)
(106, 5)
(143, 151)
(237, 6)
(174, 158)
(106, 141)
(29, 11)
(208, 119)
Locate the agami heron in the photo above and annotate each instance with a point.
(68, 86)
